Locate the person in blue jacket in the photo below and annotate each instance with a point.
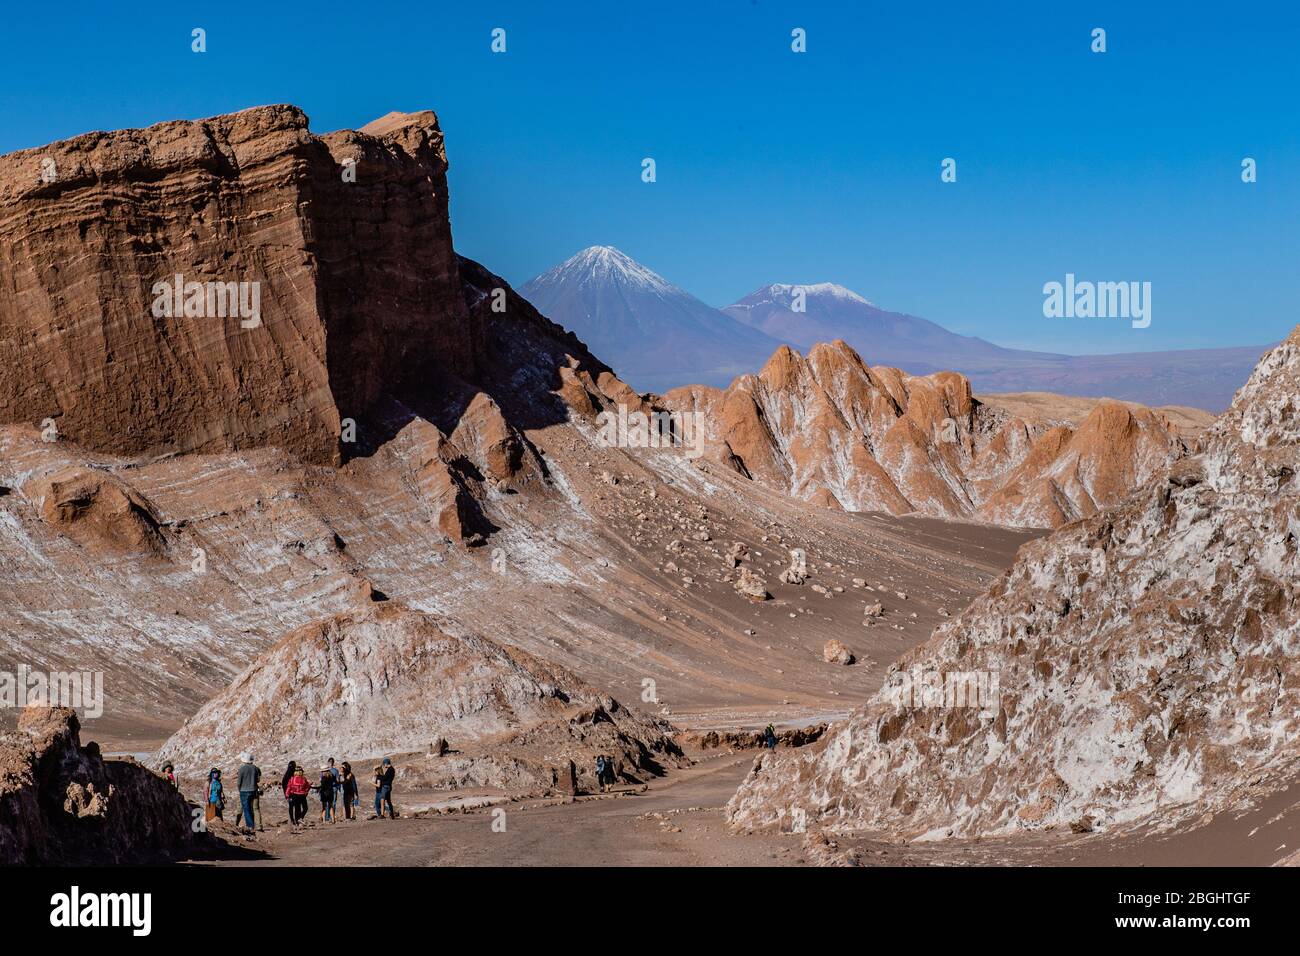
(216, 796)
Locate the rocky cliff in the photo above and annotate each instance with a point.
(228, 283)
(829, 429)
(1141, 664)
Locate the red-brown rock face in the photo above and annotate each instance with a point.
(829, 429)
(350, 292)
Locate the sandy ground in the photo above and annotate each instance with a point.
(677, 821)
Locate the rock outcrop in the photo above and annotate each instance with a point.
(342, 244)
(836, 652)
(751, 740)
(828, 429)
(98, 509)
(377, 347)
(385, 679)
(62, 803)
(1141, 664)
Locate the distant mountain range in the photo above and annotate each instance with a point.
(659, 337)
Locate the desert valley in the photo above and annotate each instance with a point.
(384, 521)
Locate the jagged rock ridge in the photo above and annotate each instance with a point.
(828, 428)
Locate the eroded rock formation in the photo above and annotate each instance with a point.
(829, 429)
(1147, 663)
(62, 803)
(386, 679)
(357, 287)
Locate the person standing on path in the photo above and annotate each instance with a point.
(284, 787)
(298, 788)
(327, 791)
(250, 789)
(350, 796)
(216, 799)
(385, 774)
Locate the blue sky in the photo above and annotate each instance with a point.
(775, 166)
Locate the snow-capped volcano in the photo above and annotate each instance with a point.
(605, 264)
(818, 290)
(654, 334)
(804, 315)
(823, 311)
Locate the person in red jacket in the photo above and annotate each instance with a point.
(297, 790)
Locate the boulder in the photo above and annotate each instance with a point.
(835, 652)
(751, 585)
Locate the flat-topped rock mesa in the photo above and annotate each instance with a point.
(346, 235)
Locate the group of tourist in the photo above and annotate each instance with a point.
(338, 789)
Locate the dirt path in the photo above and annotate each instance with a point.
(678, 821)
(603, 831)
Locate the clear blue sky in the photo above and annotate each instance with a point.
(774, 166)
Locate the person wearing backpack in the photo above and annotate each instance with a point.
(284, 788)
(769, 737)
